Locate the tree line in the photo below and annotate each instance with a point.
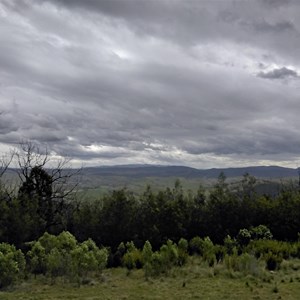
(174, 214)
(44, 201)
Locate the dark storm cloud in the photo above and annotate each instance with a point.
(280, 73)
(152, 81)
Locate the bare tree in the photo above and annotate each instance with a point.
(52, 183)
(5, 190)
(5, 162)
(63, 178)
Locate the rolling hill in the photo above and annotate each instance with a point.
(267, 172)
(96, 181)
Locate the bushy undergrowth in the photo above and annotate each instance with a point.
(62, 255)
(244, 263)
(158, 262)
(133, 257)
(273, 252)
(12, 265)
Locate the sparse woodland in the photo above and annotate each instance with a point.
(46, 231)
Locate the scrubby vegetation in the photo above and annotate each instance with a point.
(46, 233)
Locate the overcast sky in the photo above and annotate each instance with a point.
(195, 82)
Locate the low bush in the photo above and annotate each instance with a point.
(231, 261)
(261, 248)
(243, 237)
(147, 257)
(62, 255)
(230, 244)
(169, 254)
(12, 265)
(116, 258)
(220, 252)
(248, 264)
(162, 261)
(244, 263)
(182, 251)
(296, 250)
(133, 257)
(261, 232)
(195, 246)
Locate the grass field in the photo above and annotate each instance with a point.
(194, 281)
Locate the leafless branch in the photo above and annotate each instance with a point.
(5, 162)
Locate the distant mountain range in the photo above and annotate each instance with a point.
(95, 181)
(270, 172)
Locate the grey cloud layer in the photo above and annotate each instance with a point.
(152, 81)
(279, 73)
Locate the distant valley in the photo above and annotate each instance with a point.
(98, 180)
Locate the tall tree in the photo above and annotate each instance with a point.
(44, 194)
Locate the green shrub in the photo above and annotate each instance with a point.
(245, 263)
(58, 263)
(37, 261)
(200, 246)
(147, 257)
(230, 244)
(203, 247)
(231, 261)
(211, 259)
(208, 250)
(48, 242)
(66, 241)
(220, 252)
(12, 265)
(86, 258)
(261, 232)
(52, 254)
(182, 251)
(248, 264)
(296, 250)
(262, 247)
(162, 261)
(157, 265)
(147, 252)
(62, 255)
(243, 237)
(118, 255)
(169, 254)
(195, 246)
(133, 257)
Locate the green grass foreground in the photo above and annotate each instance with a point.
(194, 281)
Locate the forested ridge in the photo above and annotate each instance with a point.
(52, 228)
